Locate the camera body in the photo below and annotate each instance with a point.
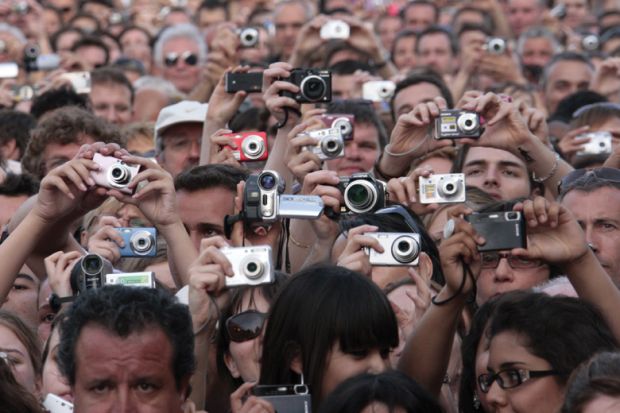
(248, 37)
(315, 85)
(335, 29)
(600, 143)
(139, 242)
(344, 122)
(251, 265)
(144, 279)
(251, 146)
(503, 230)
(400, 249)
(80, 81)
(114, 173)
(330, 144)
(247, 82)
(89, 272)
(590, 42)
(442, 188)
(362, 193)
(495, 45)
(34, 61)
(286, 398)
(456, 123)
(378, 90)
(56, 404)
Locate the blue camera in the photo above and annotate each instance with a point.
(139, 242)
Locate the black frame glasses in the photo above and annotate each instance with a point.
(245, 326)
(511, 378)
(603, 173)
(400, 211)
(172, 58)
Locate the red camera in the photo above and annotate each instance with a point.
(251, 146)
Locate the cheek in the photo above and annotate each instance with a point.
(530, 278)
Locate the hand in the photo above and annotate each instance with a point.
(404, 190)
(571, 143)
(301, 162)
(363, 37)
(354, 256)
(536, 122)
(58, 268)
(272, 89)
(222, 105)
(606, 80)
(323, 184)
(308, 40)
(107, 240)
(252, 404)
(222, 147)
(421, 299)
(502, 67)
(88, 150)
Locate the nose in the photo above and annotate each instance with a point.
(490, 178)
(592, 239)
(503, 272)
(194, 152)
(496, 397)
(352, 151)
(376, 363)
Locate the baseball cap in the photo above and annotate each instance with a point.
(186, 111)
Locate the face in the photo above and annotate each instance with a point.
(201, 221)
(523, 14)
(565, 78)
(471, 41)
(19, 359)
(67, 8)
(52, 381)
(51, 21)
(56, 154)
(404, 53)
(408, 98)
(434, 51)
(420, 17)
(602, 404)
(181, 147)
(243, 359)
(497, 172)
(66, 41)
(9, 206)
(92, 56)
(209, 17)
(387, 30)
(344, 87)
(288, 20)
(147, 105)
(576, 13)
(537, 395)
(112, 102)
(537, 51)
(361, 152)
(22, 300)
(126, 374)
(183, 75)
(601, 224)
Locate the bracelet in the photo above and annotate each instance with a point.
(297, 243)
(554, 169)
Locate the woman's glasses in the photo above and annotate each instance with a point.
(491, 260)
(604, 174)
(245, 326)
(511, 378)
(188, 57)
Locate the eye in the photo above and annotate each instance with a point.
(146, 387)
(473, 172)
(20, 287)
(100, 388)
(358, 354)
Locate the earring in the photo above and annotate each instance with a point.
(476, 402)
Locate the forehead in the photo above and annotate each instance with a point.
(185, 130)
(290, 12)
(133, 34)
(10, 341)
(365, 132)
(491, 156)
(602, 202)
(523, 3)
(205, 205)
(537, 42)
(473, 35)
(180, 44)
(415, 94)
(108, 90)
(415, 11)
(435, 39)
(571, 70)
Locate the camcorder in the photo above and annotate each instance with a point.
(400, 249)
(378, 90)
(502, 230)
(442, 189)
(248, 37)
(315, 85)
(114, 173)
(456, 124)
(251, 265)
(330, 143)
(139, 242)
(335, 29)
(34, 61)
(251, 146)
(93, 271)
(344, 122)
(362, 194)
(286, 398)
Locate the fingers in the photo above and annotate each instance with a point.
(236, 398)
(539, 212)
(356, 240)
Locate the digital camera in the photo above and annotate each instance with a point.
(132, 279)
(139, 242)
(56, 404)
(80, 81)
(114, 173)
(400, 249)
(264, 202)
(21, 7)
(362, 193)
(315, 85)
(330, 144)
(455, 124)
(247, 82)
(251, 265)
(248, 37)
(9, 70)
(590, 42)
(600, 143)
(378, 90)
(344, 122)
(442, 188)
(251, 146)
(34, 61)
(89, 272)
(495, 45)
(286, 398)
(335, 29)
(503, 230)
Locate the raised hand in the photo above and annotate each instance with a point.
(107, 240)
(58, 268)
(354, 256)
(272, 88)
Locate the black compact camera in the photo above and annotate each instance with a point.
(286, 398)
(89, 272)
(503, 230)
(362, 193)
(247, 82)
(456, 123)
(315, 85)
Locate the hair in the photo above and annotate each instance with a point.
(572, 103)
(210, 176)
(403, 34)
(57, 98)
(16, 125)
(349, 67)
(124, 311)
(111, 76)
(214, 5)
(332, 47)
(66, 29)
(472, 27)
(609, 34)
(595, 114)
(454, 48)
(538, 32)
(92, 41)
(564, 57)
(26, 335)
(138, 28)
(183, 30)
(250, 119)
(128, 64)
(588, 183)
(84, 15)
(392, 388)
(599, 376)
(19, 184)
(414, 3)
(161, 85)
(15, 398)
(332, 306)
(306, 5)
(487, 26)
(364, 114)
(66, 126)
(14, 32)
(476, 199)
(427, 76)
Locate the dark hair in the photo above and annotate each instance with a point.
(214, 5)
(19, 184)
(318, 308)
(414, 3)
(57, 98)
(15, 398)
(392, 388)
(487, 26)
(405, 33)
(16, 125)
(364, 114)
(251, 119)
(138, 28)
(587, 183)
(82, 15)
(92, 41)
(210, 176)
(438, 30)
(111, 75)
(124, 311)
(66, 29)
(349, 67)
(472, 27)
(573, 102)
(26, 335)
(418, 77)
(334, 46)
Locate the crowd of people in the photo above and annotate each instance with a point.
(334, 206)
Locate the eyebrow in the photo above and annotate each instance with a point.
(12, 350)
(205, 226)
(27, 277)
(483, 162)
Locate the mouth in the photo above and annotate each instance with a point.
(350, 170)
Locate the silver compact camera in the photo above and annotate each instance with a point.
(455, 124)
(145, 279)
(378, 90)
(442, 188)
(248, 37)
(56, 404)
(251, 265)
(590, 42)
(335, 29)
(139, 242)
(330, 143)
(400, 249)
(495, 45)
(600, 143)
(114, 173)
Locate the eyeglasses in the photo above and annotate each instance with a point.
(511, 378)
(603, 105)
(188, 57)
(400, 211)
(491, 260)
(245, 326)
(605, 174)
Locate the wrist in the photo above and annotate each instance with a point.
(170, 227)
(580, 263)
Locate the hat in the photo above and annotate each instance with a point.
(186, 111)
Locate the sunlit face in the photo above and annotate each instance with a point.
(576, 13)
(182, 74)
(288, 20)
(360, 153)
(434, 51)
(523, 14)
(387, 29)
(112, 102)
(419, 17)
(404, 53)
(181, 147)
(537, 51)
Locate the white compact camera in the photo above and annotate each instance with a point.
(55, 404)
(400, 249)
(600, 143)
(330, 143)
(378, 90)
(114, 173)
(335, 29)
(495, 45)
(251, 265)
(442, 188)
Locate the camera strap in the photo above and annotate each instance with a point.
(230, 221)
(280, 125)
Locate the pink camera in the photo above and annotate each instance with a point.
(251, 146)
(114, 173)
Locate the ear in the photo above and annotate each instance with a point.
(297, 364)
(185, 388)
(231, 365)
(425, 266)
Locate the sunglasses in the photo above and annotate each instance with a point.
(188, 57)
(245, 326)
(605, 174)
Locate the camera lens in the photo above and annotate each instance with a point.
(313, 88)
(405, 249)
(512, 216)
(360, 196)
(345, 126)
(248, 37)
(252, 268)
(141, 242)
(467, 122)
(92, 264)
(119, 175)
(267, 181)
(253, 147)
(331, 146)
(449, 187)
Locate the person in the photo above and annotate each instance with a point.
(522, 14)
(127, 349)
(14, 191)
(436, 48)
(418, 88)
(15, 130)
(111, 95)
(565, 74)
(92, 51)
(14, 397)
(52, 381)
(418, 15)
(288, 18)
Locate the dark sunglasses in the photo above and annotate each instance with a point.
(172, 59)
(605, 174)
(245, 326)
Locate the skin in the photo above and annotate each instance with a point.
(52, 381)
(576, 13)
(344, 87)
(288, 20)
(387, 30)
(22, 300)
(18, 355)
(66, 41)
(522, 14)
(377, 407)
(126, 374)
(46, 316)
(601, 224)
(147, 105)
(181, 147)
(92, 56)
(182, 75)
(537, 395)
(404, 53)
(56, 154)
(201, 221)
(420, 17)
(9, 206)
(434, 51)
(603, 404)
(612, 126)
(208, 17)
(482, 360)
(399, 297)
(497, 172)
(411, 96)
(472, 40)
(360, 153)
(67, 8)
(112, 102)
(565, 78)
(537, 51)
(135, 44)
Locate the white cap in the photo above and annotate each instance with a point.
(186, 111)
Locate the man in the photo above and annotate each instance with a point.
(14, 191)
(418, 88)
(212, 12)
(536, 47)
(565, 74)
(91, 51)
(178, 132)
(127, 349)
(15, 129)
(523, 14)
(436, 49)
(594, 199)
(418, 15)
(288, 18)
(111, 95)
(345, 81)
(180, 52)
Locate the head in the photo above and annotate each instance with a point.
(14, 191)
(471, 16)
(152, 94)
(62, 40)
(565, 74)
(15, 129)
(418, 15)
(387, 27)
(344, 84)
(356, 337)
(403, 49)
(600, 117)
(212, 12)
(52, 381)
(437, 49)
(136, 43)
(523, 14)
(288, 18)
(117, 336)
(111, 95)
(536, 46)
(418, 87)
(92, 51)
(53, 99)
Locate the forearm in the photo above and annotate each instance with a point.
(459, 84)
(202, 92)
(320, 253)
(199, 379)
(394, 166)
(181, 251)
(211, 126)
(277, 156)
(302, 240)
